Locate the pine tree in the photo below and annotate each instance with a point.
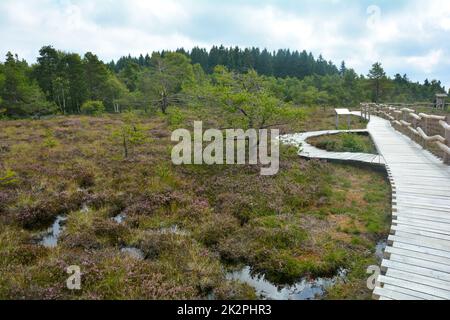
(378, 80)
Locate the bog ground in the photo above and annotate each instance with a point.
(140, 227)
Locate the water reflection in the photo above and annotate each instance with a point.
(133, 252)
(379, 250)
(306, 289)
(50, 240)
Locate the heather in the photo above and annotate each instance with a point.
(193, 223)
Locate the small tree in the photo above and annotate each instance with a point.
(92, 108)
(378, 80)
(163, 82)
(130, 133)
(248, 103)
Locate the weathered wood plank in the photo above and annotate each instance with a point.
(432, 292)
(393, 295)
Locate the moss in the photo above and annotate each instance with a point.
(345, 142)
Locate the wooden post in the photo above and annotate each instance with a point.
(447, 140)
(337, 121)
(349, 120)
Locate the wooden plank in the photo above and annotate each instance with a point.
(420, 231)
(413, 209)
(394, 295)
(405, 230)
(423, 215)
(421, 223)
(419, 295)
(426, 243)
(390, 264)
(420, 249)
(431, 292)
(415, 254)
(421, 263)
(431, 282)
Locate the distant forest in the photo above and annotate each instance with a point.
(280, 64)
(66, 83)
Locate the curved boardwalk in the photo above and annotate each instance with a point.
(417, 259)
(309, 151)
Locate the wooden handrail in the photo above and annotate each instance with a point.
(406, 124)
(443, 147)
(445, 125)
(414, 131)
(428, 138)
(428, 116)
(388, 111)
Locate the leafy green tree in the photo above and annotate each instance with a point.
(116, 93)
(247, 102)
(96, 77)
(46, 70)
(129, 75)
(163, 82)
(73, 71)
(62, 77)
(20, 96)
(61, 87)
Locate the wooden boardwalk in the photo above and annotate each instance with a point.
(309, 151)
(417, 259)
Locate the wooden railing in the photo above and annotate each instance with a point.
(430, 131)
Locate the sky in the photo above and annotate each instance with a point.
(411, 37)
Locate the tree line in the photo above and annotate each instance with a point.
(282, 63)
(67, 83)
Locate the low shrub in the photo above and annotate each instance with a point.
(94, 108)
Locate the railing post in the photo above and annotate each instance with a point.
(447, 142)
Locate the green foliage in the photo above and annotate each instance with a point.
(345, 142)
(378, 81)
(92, 108)
(245, 100)
(49, 140)
(19, 95)
(8, 178)
(175, 117)
(282, 63)
(130, 133)
(161, 84)
(62, 82)
(69, 80)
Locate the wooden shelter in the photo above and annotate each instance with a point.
(440, 101)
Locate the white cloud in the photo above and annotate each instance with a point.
(406, 39)
(428, 62)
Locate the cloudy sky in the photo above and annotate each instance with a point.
(410, 37)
